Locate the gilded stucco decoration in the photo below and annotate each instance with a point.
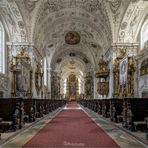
(55, 85)
(38, 78)
(72, 87)
(124, 89)
(89, 86)
(102, 74)
(144, 68)
(21, 74)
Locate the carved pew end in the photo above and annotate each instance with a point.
(5, 125)
(140, 125)
(119, 118)
(26, 118)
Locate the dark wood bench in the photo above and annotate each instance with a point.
(99, 107)
(135, 113)
(83, 102)
(46, 106)
(11, 112)
(39, 107)
(29, 110)
(54, 104)
(116, 110)
(95, 105)
(61, 103)
(106, 108)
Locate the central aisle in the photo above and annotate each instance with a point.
(71, 128)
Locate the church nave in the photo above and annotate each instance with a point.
(73, 126)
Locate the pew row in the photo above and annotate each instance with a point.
(135, 113)
(11, 112)
(131, 112)
(14, 112)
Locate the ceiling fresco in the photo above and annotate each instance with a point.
(84, 27)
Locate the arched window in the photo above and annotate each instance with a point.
(144, 35)
(2, 49)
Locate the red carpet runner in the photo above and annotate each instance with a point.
(71, 128)
(72, 104)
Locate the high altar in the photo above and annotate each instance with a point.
(72, 87)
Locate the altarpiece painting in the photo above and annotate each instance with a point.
(21, 75)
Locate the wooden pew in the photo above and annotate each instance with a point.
(62, 103)
(0, 130)
(134, 113)
(90, 104)
(46, 106)
(39, 107)
(29, 110)
(83, 102)
(106, 108)
(95, 105)
(12, 114)
(116, 110)
(54, 104)
(99, 107)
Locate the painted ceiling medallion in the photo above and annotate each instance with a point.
(72, 38)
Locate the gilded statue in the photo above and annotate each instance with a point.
(20, 67)
(103, 70)
(126, 90)
(38, 78)
(21, 52)
(12, 63)
(122, 52)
